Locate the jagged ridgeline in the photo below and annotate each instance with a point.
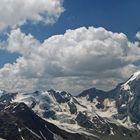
(55, 115)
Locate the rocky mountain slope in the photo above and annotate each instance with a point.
(93, 114)
(19, 122)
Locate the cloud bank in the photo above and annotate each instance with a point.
(78, 59)
(18, 12)
(138, 35)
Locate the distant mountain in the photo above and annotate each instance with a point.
(92, 93)
(56, 115)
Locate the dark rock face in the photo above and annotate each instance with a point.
(134, 103)
(7, 97)
(128, 100)
(93, 93)
(84, 121)
(49, 114)
(17, 121)
(101, 126)
(60, 97)
(73, 108)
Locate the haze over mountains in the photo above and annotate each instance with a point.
(56, 115)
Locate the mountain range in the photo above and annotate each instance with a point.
(57, 115)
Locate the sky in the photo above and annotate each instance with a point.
(68, 44)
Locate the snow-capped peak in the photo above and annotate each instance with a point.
(91, 109)
(134, 77)
(1, 92)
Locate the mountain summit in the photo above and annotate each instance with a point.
(57, 115)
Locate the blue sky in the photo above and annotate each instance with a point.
(115, 15)
(44, 22)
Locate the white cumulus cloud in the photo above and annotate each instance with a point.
(78, 59)
(18, 12)
(138, 35)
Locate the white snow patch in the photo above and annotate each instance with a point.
(135, 76)
(19, 130)
(57, 137)
(33, 133)
(22, 138)
(42, 135)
